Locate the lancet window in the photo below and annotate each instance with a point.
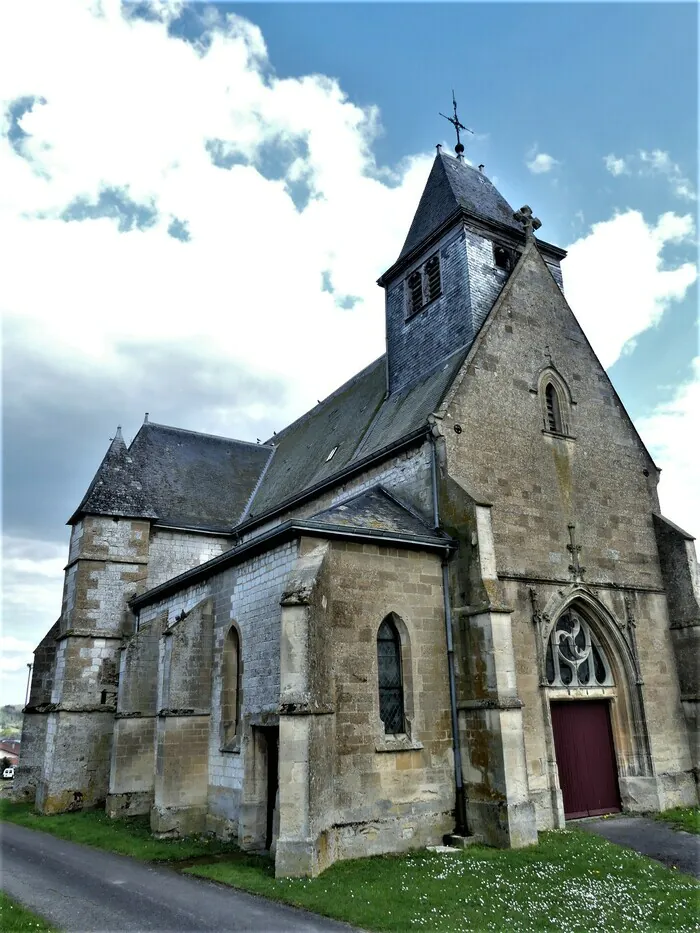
(390, 675)
(231, 681)
(575, 657)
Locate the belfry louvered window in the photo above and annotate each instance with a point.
(424, 285)
(415, 289)
(391, 710)
(432, 277)
(552, 409)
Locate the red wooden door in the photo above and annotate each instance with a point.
(585, 758)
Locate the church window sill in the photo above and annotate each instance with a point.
(233, 747)
(397, 743)
(559, 434)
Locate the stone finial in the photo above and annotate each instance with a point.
(530, 223)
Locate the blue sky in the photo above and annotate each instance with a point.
(579, 80)
(198, 200)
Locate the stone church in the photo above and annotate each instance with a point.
(443, 601)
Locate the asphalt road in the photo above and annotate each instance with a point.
(673, 848)
(78, 889)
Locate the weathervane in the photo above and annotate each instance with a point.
(459, 148)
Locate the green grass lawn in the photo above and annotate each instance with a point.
(572, 881)
(14, 917)
(687, 818)
(130, 836)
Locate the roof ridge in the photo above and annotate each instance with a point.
(215, 437)
(249, 504)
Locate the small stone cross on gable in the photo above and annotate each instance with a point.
(575, 568)
(530, 223)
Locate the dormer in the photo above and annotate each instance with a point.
(461, 247)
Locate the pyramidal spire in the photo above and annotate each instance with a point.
(454, 186)
(116, 488)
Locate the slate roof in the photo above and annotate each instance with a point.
(453, 185)
(359, 419)
(116, 488)
(177, 477)
(376, 510)
(199, 481)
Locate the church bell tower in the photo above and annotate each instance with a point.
(463, 243)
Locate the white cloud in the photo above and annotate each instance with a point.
(615, 166)
(672, 433)
(254, 261)
(541, 162)
(657, 162)
(10, 643)
(32, 573)
(618, 282)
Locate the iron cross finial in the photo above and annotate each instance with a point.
(459, 148)
(530, 223)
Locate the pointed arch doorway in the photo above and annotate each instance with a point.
(582, 687)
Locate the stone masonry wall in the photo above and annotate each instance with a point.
(35, 720)
(389, 793)
(247, 595)
(173, 552)
(597, 477)
(539, 482)
(132, 772)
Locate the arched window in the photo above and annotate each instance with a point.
(575, 657)
(391, 707)
(553, 409)
(231, 688)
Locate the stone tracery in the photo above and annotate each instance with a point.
(574, 656)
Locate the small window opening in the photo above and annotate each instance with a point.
(432, 272)
(553, 410)
(415, 287)
(502, 257)
(231, 688)
(390, 675)
(331, 454)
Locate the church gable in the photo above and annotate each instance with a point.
(534, 426)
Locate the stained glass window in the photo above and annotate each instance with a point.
(575, 657)
(390, 677)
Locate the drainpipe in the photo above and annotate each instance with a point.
(460, 801)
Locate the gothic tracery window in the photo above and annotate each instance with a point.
(231, 688)
(575, 657)
(390, 676)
